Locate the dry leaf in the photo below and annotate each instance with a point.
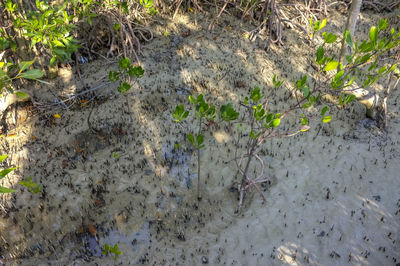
(92, 230)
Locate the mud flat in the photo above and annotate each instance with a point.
(333, 199)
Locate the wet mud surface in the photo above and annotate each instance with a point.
(333, 196)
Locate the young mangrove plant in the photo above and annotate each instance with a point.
(365, 65)
(203, 111)
(107, 249)
(125, 74)
(30, 185)
(5, 172)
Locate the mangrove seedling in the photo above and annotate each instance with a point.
(125, 74)
(3, 173)
(107, 249)
(364, 64)
(31, 186)
(202, 111)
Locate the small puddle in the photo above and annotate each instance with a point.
(91, 246)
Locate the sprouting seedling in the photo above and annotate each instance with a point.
(277, 83)
(316, 26)
(31, 186)
(202, 111)
(115, 155)
(3, 173)
(126, 72)
(112, 250)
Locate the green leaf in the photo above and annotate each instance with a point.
(391, 69)
(124, 63)
(304, 121)
(200, 100)
(25, 65)
(256, 94)
(373, 34)
(347, 37)
(331, 65)
(276, 122)
(306, 91)
(365, 58)
(191, 99)
(113, 76)
(22, 95)
(322, 25)
(327, 119)
(117, 26)
(329, 38)
(320, 54)
(382, 25)
(353, 78)
(136, 71)
(124, 87)
(53, 61)
(228, 113)
(3, 157)
(246, 100)
(32, 74)
(5, 172)
(349, 99)
(277, 83)
(190, 138)
(254, 135)
(269, 118)
(324, 110)
(302, 82)
(199, 139)
(6, 190)
(382, 69)
(36, 189)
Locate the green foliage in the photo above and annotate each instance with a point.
(197, 141)
(228, 113)
(316, 26)
(179, 114)
(256, 94)
(126, 72)
(329, 37)
(148, 5)
(107, 249)
(202, 108)
(51, 26)
(84, 9)
(277, 83)
(31, 186)
(10, 72)
(3, 173)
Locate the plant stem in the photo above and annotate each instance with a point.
(198, 164)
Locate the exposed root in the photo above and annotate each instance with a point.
(119, 33)
(247, 183)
